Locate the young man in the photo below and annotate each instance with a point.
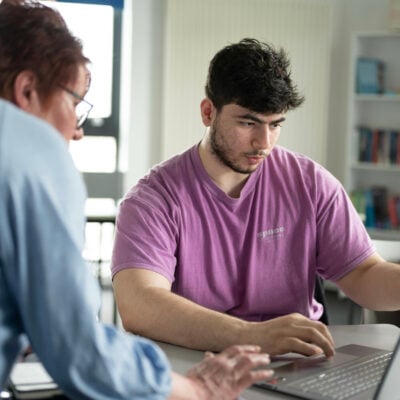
(222, 244)
(47, 294)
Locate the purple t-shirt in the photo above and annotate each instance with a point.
(254, 257)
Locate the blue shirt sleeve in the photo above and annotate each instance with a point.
(44, 281)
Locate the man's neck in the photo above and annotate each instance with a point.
(225, 178)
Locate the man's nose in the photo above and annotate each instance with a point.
(262, 139)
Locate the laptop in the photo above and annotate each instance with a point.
(355, 372)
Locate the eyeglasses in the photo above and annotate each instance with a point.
(82, 109)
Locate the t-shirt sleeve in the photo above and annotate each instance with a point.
(146, 235)
(342, 240)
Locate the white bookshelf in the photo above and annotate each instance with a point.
(375, 111)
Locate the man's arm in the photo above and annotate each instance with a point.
(374, 284)
(147, 307)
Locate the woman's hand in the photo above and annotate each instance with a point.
(225, 375)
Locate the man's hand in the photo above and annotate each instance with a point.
(226, 375)
(290, 333)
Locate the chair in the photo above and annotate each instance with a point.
(319, 295)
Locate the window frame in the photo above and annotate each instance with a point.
(110, 126)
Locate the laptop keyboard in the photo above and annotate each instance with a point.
(346, 381)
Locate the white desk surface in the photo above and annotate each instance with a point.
(377, 335)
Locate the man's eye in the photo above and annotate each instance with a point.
(246, 123)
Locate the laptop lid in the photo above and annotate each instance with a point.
(389, 387)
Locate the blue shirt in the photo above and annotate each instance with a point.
(47, 293)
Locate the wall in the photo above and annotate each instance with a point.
(141, 71)
(196, 30)
(154, 56)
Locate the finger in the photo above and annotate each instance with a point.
(316, 327)
(308, 349)
(329, 335)
(245, 372)
(323, 329)
(321, 338)
(235, 367)
(253, 377)
(245, 363)
(314, 334)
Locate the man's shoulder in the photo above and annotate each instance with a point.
(172, 170)
(291, 159)
(293, 168)
(175, 162)
(165, 183)
(284, 154)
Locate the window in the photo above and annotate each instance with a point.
(96, 155)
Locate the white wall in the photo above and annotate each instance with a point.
(141, 103)
(149, 110)
(196, 30)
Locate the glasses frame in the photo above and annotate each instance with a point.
(81, 117)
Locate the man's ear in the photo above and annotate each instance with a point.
(25, 94)
(208, 111)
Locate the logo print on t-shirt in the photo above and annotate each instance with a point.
(271, 234)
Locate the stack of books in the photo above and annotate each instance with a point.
(379, 146)
(377, 207)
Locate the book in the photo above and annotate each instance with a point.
(394, 140)
(393, 211)
(30, 380)
(377, 208)
(365, 144)
(358, 199)
(370, 76)
(380, 205)
(369, 209)
(398, 148)
(379, 146)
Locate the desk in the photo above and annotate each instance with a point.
(376, 335)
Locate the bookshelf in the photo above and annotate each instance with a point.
(373, 158)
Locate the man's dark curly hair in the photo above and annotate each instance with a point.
(253, 75)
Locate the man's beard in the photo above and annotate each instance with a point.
(219, 150)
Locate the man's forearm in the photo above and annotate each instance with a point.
(148, 308)
(161, 315)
